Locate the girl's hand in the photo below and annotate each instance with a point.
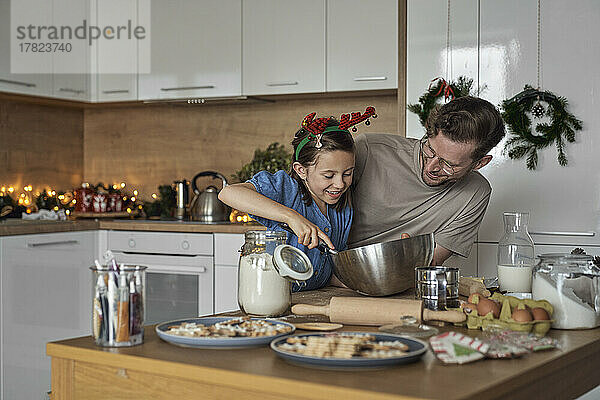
(308, 233)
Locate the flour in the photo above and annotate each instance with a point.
(575, 300)
(261, 291)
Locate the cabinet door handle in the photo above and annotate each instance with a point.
(187, 88)
(289, 83)
(27, 84)
(587, 234)
(115, 91)
(370, 78)
(69, 90)
(57, 243)
(171, 269)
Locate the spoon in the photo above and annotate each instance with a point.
(323, 248)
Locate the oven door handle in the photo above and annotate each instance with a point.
(175, 269)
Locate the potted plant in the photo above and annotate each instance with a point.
(272, 159)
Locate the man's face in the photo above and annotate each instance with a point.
(444, 161)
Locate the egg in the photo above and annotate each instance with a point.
(521, 315)
(486, 306)
(540, 314)
(471, 298)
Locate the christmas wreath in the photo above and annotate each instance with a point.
(523, 142)
(439, 88)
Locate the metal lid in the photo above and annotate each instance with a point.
(292, 262)
(567, 265)
(566, 256)
(265, 235)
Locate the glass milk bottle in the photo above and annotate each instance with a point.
(515, 254)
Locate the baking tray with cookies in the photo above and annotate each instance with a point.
(223, 332)
(348, 350)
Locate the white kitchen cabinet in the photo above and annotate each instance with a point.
(31, 84)
(103, 61)
(46, 295)
(109, 82)
(195, 50)
(426, 49)
(86, 73)
(72, 77)
(227, 254)
(226, 283)
(362, 44)
(284, 46)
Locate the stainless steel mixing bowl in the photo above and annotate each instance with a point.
(381, 269)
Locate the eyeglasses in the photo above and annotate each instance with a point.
(428, 153)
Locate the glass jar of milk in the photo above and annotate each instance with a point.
(262, 291)
(515, 254)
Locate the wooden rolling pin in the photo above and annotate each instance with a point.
(376, 311)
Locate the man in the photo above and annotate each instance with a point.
(404, 185)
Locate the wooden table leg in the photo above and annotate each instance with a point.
(62, 379)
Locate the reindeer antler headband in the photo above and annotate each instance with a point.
(318, 127)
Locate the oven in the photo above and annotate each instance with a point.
(179, 278)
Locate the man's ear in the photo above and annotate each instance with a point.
(482, 162)
(300, 169)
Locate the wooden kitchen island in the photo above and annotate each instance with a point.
(158, 370)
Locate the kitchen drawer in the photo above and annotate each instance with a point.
(227, 246)
(161, 243)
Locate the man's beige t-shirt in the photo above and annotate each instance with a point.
(389, 197)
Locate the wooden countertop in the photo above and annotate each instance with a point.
(177, 226)
(16, 226)
(10, 227)
(258, 373)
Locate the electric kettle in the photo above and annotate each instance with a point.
(206, 206)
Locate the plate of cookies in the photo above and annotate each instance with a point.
(348, 350)
(223, 332)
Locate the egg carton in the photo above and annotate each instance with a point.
(505, 321)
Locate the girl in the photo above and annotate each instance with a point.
(312, 198)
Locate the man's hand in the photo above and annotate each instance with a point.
(440, 254)
(308, 233)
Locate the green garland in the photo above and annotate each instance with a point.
(437, 90)
(524, 142)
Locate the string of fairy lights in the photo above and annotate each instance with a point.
(27, 200)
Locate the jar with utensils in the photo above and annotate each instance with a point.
(118, 304)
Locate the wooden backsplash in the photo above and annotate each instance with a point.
(149, 145)
(156, 144)
(40, 145)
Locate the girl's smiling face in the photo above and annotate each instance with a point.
(329, 177)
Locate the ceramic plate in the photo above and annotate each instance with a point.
(216, 342)
(416, 349)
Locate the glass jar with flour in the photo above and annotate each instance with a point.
(267, 268)
(571, 283)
